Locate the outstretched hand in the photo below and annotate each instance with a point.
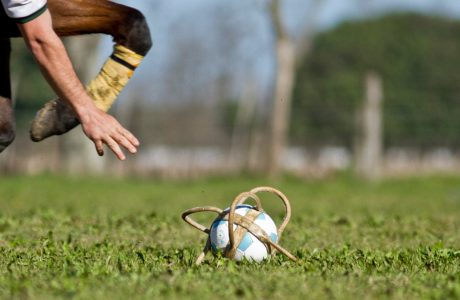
(102, 128)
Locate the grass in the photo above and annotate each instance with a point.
(95, 238)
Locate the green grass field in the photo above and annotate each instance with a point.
(124, 239)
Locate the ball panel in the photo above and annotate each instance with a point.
(214, 247)
(261, 217)
(256, 251)
(219, 234)
(273, 237)
(266, 223)
(245, 242)
(239, 255)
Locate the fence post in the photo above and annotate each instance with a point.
(368, 143)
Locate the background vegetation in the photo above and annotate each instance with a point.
(30, 89)
(417, 58)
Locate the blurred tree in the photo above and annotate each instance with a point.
(417, 57)
(286, 57)
(207, 70)
(77, 152)
(29, 87)
(285, 60)
(29, 90)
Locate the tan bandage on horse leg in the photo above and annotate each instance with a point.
(113, 77)
(57, 117)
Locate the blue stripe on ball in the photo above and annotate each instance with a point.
(245, 242)
(273, 237)
(261, 217)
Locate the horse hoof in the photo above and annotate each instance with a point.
(6, 140)
(55, 118)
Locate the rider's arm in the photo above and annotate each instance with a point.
(55, 64)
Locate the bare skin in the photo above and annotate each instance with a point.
(55, 64)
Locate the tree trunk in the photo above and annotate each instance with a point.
(284, 82)
(369, 140)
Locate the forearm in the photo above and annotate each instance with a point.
(52, 57)
(55, 64)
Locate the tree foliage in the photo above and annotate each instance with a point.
(418, 59)
(30, 88)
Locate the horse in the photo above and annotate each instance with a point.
(132, 39)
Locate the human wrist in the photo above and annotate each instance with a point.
(84, 109)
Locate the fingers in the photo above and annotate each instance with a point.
(114, 144)
(131, 138)
(99, 147)
(123, 141)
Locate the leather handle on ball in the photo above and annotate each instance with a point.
(284, 199)
(186, 216)
(240, 199)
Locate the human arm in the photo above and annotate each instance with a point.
(55, 64)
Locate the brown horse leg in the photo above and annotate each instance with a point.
(127, 25)
(76, 17)
(6, 111)
(132, 38)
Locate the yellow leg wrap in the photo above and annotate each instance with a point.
(113, 77)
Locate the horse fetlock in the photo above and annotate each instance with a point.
(7, 126)
(138, 36)
(7, 136)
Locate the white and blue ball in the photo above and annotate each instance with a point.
(250, 247)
